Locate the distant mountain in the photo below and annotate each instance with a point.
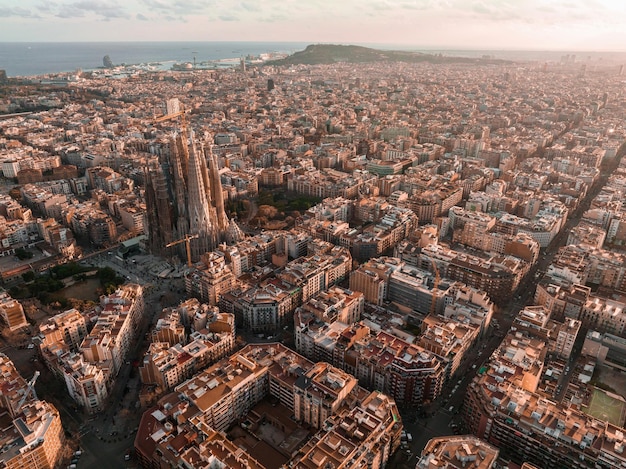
(332, 53)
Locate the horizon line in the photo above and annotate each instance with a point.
(424, 47)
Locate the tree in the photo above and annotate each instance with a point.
(267, 211)
(15, 194)
(22, 254)
(260, 221)
(28, 276)
(106, 275)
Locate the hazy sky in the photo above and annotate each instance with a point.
(485, 24)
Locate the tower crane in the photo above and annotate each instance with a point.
(182, 114)
(185, 240)
(30, 388)
(168, 117)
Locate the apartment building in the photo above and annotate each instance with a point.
(357, 425)
(32, 435)
(448, 339)
(528, 427)
(12, 312)
(317, 272)
(330, 183)
(89, 363)
(506, 406)
(268, 303)
(59, 237)
(167, 364)
(458, 452)
(336, 209)
(566, 337)
(467, 305)
(495, 279)
(319, 393)
(335, 304)
(605, 348)
(14, 387)
(87, 383)
(110, 339)
(386, 361)
(211, 277)
(604, 315)
(169, 328)
(68, 328)
(368, 241)
(263, 308)
(372, 278)
(250, 252)
(460, 217)
(33, 440)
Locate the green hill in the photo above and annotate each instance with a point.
(333, 53)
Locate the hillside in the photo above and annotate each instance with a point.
(333, 53)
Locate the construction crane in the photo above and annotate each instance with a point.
(185, 240)
(168, 117)
(30, 388)
(433, 302)
(182, 114)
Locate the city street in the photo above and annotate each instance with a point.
(98, 447)
(109, 436)
(448, 179)
(439, 418)
(445, 419)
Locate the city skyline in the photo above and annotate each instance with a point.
(476, 24)
(268, 264)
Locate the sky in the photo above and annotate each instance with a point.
(598, 25)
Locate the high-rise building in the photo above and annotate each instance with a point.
(184, 197)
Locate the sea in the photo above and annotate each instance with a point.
(41, 58)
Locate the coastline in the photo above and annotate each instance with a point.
(32, 59)
(41, 59)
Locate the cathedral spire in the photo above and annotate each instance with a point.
(201, 220)
(217, 193)
(184, 196)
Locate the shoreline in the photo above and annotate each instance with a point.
(34, 59)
